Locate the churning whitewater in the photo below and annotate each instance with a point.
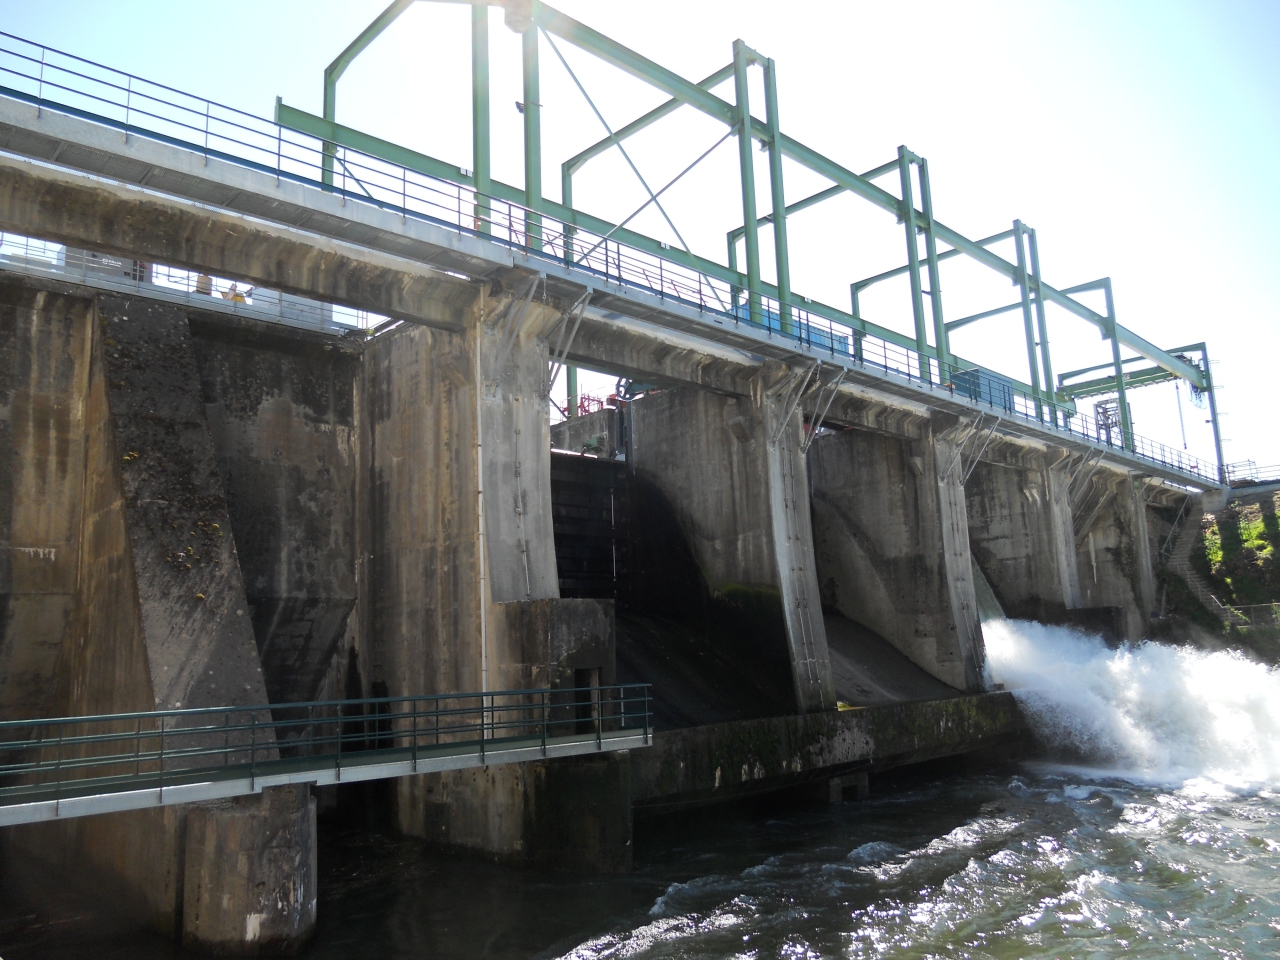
(1149, 713)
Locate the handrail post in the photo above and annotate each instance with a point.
(646, 714)
(545, 710)
(413, 707)
(57, 774)
(40, 90)
(253, 750)
(162, 730)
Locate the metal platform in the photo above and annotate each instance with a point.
(68, 767)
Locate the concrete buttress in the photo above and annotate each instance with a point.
(731, 472)
(157, 614)
(892, 547)
(460, 542)
(1020, 532)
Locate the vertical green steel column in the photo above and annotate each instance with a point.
(859, 325)
(1042, 327)
(566, 200)
(1213, 416)
(940, 336)
(327, 149)
(480, 113)
(1126, 426)
(748, 174)
(335, 70)
(571, 391)
(532, 138)
(781, 251)
(1033, 363)
(913, 261)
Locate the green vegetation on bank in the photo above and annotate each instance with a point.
(1236, 553)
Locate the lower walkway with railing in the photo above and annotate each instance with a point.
(76, 766)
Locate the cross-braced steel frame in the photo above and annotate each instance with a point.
(773, 306)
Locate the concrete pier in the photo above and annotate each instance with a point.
(731, 472)
(891, 538)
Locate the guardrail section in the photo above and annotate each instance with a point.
(76, 766)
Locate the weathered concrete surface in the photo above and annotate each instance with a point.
(1020, 534)
(146, 532)
(460, 592)
(738, 496)
(891, 542)
(711, 764)
(596, 433)
(281, 412)
(237, 851)
(529, 813)
(114, 218)
(542, 644)
(45, 350)
(1114, 552)
(515, 439)
(419, 580)
(72, 479)
(200, 643)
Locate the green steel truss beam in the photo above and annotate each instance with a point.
(1145, 377)
(695, 95)
(527, 16)
(1137, 378)
(309, 124)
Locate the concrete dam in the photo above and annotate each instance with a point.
(283, 507)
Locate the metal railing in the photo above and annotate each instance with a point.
(35, 257)
(50, 79)
(1247, 472)
(1260, 614)
(54, 765)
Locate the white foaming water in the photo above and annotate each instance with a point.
(1150, 713)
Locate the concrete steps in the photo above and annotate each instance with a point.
(1179, 562)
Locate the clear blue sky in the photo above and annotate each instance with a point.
(1139, 138)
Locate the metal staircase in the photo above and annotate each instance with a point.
(1177, 559)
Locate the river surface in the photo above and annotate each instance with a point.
(1155, 833)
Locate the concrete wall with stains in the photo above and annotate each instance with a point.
(111, 482)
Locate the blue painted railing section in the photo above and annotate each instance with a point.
(67, 757)
(50, 79)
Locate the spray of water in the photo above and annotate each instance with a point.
(1150, 713)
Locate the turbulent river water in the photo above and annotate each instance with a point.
(1155, 833)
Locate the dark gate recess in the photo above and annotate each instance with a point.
(590, 512)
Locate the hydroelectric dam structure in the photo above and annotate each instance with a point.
(283, 509)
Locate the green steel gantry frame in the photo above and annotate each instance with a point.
(531, 17)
